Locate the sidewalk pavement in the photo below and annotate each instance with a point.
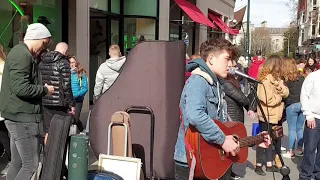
(246, 170)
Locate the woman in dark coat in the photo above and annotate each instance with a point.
(236, 99)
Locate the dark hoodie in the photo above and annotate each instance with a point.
(55, 70)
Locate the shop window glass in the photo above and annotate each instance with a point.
(140, 7)
(137, 30)
(115, 6)
(99, 4)
(13, 26)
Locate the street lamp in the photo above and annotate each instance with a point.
(248, 33)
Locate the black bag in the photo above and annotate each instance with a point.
(55, 149)
(104, 175)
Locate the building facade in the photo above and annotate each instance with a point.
(308, 21)
(91, 26)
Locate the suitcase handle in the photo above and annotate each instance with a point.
(125, 138)
(146, 110)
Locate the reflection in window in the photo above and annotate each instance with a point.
(137, 30)
(13, 26)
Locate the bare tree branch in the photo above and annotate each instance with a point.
(292, 6)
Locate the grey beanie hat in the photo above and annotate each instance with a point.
(37, 31)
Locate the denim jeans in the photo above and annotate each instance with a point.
(295, 119)
(310, 165)
(24, 146)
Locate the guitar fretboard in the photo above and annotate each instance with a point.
(251, 140)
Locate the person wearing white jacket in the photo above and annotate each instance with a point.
(4, 137)
(108, 71)
(310, 98)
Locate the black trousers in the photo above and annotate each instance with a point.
(267, 153)
(182, 173)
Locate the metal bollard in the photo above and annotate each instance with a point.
(78, 157)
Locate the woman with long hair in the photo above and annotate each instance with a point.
(310, 66)
(236, 101)
(79, 85)
(4, 138)
(271, 101)
(295, 117)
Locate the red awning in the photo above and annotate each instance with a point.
(194, 13)
(222, 25)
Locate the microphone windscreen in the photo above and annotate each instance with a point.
(232, 70)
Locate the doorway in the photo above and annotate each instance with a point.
(104, 31)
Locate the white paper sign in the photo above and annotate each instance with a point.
(126, 167)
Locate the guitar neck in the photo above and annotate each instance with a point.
(251, 140)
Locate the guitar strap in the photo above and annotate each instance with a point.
(189, 149)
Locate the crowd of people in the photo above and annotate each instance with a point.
(287, 92)
(36, 84)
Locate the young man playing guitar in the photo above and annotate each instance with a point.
(202, 100)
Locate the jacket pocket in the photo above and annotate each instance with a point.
(212, 106)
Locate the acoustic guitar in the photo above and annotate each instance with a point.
(211, 160)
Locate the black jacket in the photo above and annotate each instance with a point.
(55, 70)
(294, 91)
(236, 101)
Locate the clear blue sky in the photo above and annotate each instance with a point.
(275, 12)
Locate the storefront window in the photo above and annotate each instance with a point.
(179, 20)
(137, 30)
(140, 7)
(13, 25)
(99, 4)
(115, 6)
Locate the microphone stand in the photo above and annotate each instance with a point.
(285, 170)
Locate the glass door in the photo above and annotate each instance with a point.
(114, 32)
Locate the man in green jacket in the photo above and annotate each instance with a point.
(21, 95)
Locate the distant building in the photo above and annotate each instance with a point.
(276, 34)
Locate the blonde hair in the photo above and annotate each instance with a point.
(289, 69)
(271, 66)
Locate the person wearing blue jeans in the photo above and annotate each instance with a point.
(24, 139)
(294, 115)
(310, 100)
(295, 119)
(20, 97)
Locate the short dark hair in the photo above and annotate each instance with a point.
(258, 53)
(214, 45)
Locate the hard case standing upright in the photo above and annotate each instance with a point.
(138, 150)
(54, 151)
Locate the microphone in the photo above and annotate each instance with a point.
(234, 71)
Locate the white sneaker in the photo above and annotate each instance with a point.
(283, 149)
(288, 155)
(5, 170)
